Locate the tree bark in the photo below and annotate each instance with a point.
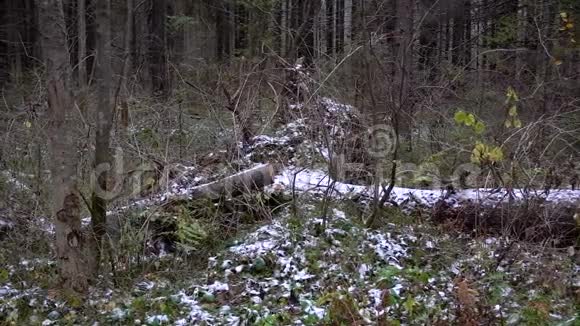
(122, 91)
(457, 53)
(283, 27)
(224, 31)
(82, 47)
(158, 48)
(251, 179)
(522, 37)
(347, 24)
(323, 22)
(103, 118)
(70, 240)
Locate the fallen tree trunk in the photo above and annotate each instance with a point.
(254, 178)
(251, 179)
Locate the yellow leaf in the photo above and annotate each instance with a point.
(564, 15)
(513, 111)
(27, 124)
(569, 26)
(558, 62)
(496, 154)
(508, 123)
(517, 123)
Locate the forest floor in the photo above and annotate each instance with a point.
(315, 262)
(292, 270)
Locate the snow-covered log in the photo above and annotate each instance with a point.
(251, 179)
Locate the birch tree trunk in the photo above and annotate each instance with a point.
(70, 242)
(103, 118)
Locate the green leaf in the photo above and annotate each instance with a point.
(495, 154)
(513, 111)
(478, 153)
(511, 95)
(460, 117)
(517, 123)
(470, 120)
(409, 304)
(4, 275)
(479, 128)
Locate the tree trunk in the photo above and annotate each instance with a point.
(323, 22)
(103, 118)
(283, 28)
(70, 241)
(334, 39)
(241, 182)
(82, 47)
(458, 52)
(522, 37)
(404, 63)
(347, 24)
(122, 90)
(158, 48)
(224, 31)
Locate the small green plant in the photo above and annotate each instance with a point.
(511, 102)
(274, 320)
(536, 313)
(417, 275)
(190, 233)
(485, 155)
(342, 309)
(469, 120)
(386, 277)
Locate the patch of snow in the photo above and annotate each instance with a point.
(256, 299)
(157, 319)
(376, 297)
(302, 275)
(254, 249)
(311, 309)
(363, 270)
(218, 286)
(196, 312)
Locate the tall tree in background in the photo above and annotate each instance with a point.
(103, 119)
(82, 46)
(158, 48)
(224, 29)
(122, 91)
(70, 241)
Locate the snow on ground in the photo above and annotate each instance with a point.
(295, 271)
(277, 270)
